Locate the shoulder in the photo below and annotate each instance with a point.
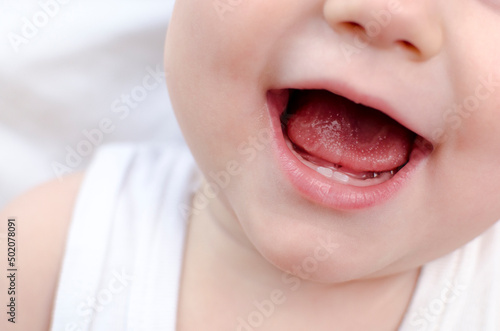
(37, 239)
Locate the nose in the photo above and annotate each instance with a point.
(409, 25)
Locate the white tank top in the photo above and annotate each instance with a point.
(122, 264)
(124, 250)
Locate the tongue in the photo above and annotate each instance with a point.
(334, 129)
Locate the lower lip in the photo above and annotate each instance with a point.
(320, 189)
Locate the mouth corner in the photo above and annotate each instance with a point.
(279, 99)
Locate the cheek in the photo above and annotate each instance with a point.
(465, 176)
(217, 38)
(214, 75)
(222, 41)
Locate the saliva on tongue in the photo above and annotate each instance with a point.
(345, 140)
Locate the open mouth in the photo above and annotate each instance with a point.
(353, 152)
(343, 140)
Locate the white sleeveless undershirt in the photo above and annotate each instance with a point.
(122, 265)
(124, 250)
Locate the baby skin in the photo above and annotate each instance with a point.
(362, 139)
(344, 144)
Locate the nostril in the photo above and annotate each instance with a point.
(408, 46)
(352, 26)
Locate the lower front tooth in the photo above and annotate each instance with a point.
(325, 171)
(341, 177)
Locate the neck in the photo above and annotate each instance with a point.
(228, 285)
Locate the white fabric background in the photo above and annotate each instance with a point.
(63, 77)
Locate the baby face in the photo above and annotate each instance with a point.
(363, 128)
